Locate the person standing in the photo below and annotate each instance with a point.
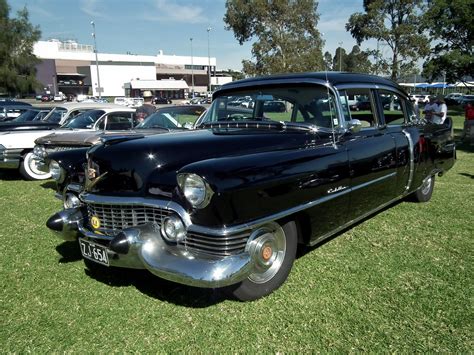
(441, 111)
(146, 109)
(430, 108)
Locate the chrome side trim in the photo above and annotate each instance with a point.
(368, 183)
(412, 159)
(224, 231)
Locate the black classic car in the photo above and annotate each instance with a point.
(226, 205)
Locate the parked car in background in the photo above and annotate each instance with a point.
(226, 205)
(59, 97)
(16, 147)
(452, 98)
(9, 110)
(47, 97)
(159, 100)
(27, 114)
(463, 100)
(164, 120)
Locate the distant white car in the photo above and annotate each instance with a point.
(59, 97)
(16, 147)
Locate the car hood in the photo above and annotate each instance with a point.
(142, 164)
(88, 137)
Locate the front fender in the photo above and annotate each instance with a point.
(253, 186)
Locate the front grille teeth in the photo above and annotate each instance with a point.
(114, 218)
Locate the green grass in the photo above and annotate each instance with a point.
(400, 281)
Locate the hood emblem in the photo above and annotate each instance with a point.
(91, 173)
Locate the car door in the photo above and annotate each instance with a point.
(372, 156)
(399, 119)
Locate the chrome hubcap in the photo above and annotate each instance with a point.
(426, 187)
(268, 249)
(33, 165)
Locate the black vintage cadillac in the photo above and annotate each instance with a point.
(227, 204)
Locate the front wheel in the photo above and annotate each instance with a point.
(273, 250)
(29, 168)
(424, 192)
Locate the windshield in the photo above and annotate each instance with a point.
(158, 120)
(84, 119)
(27, 116)
(55, 115)
(308, 105)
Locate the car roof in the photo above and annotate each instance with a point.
(92, 105)
(334, 78)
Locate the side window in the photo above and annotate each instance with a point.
(359, 104)
(392, 108)
(118, 121)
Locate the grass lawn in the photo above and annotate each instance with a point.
(401, 281)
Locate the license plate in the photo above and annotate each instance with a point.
(94, 252)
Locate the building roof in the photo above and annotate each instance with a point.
(157, 84)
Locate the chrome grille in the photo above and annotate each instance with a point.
(114, 218)
(216, 245)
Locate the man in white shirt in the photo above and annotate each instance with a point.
(441, 111)
(430, 108)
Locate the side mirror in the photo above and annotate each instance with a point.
(354, 125)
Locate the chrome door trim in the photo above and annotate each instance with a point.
(412, 159)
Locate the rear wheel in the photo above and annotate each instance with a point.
(424, 192)
(273, 250)
(29, 168)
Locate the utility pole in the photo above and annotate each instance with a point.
(340, 56)
(99, 88)
(192, 68)
(209, 56)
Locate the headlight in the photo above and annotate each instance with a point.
(195, 189)
(173, 229)
(71, 201)
(57, 173)
(39, 151)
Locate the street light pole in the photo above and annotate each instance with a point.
(340, 56)
(99, 88)
(192, 68)
(209, 56)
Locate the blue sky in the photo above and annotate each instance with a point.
(146, 26)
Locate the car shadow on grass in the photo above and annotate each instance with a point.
(10, 174)
(142, 280)
(50, 184)
(156, 287)
(69, 252)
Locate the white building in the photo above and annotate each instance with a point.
(71, 68)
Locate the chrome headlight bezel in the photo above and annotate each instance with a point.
(56, 171)
(195, 189)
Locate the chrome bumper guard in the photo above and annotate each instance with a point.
(142, 247)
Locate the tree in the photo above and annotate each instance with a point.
(451, 28)
(357, 61)
(17, 61)
(328, 60)
(397, 23)
(285, 34)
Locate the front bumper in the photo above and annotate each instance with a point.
(142, 247)
(10, 158)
